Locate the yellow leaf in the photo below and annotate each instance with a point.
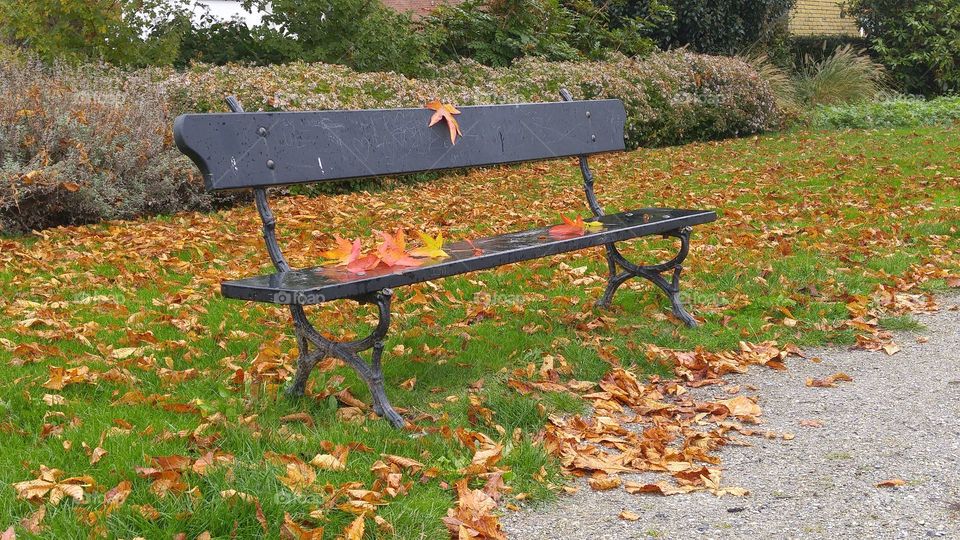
(432, 247)
(593, 225)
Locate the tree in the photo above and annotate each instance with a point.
(363, 34)
(918, 41)
(117, 31)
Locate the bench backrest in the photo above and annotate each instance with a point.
(261, 149)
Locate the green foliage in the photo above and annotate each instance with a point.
(918, 40)
(118, 31)
(498, 32)
(727, 27)
(219, 42)
(894, 113)
(363, 34)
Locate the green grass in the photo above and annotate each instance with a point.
(808, 220)
(904, 323)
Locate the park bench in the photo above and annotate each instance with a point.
(259, 150)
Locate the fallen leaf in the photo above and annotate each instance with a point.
(891, 349)
(743, 408)
(629, 516)
(32, 523)
(354, 531)
(893, 482)
(604, 482)
(327, 462)
(569, 227)
(345, 253)
(298, 476)
(403, 462)
(49, 485)
(115, 497)
(445, 112)
(301, 417)
(97, 455)
(432, 247)
(829, 382)
(383, 525)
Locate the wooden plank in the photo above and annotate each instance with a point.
(323, 284)
(240, 150)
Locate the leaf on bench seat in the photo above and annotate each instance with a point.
(392, 251)
(344, 254)
(432, 247)
(573, 227)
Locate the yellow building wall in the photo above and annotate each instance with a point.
(819, 18)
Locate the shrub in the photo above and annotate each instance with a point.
(727, 27)
(212, 41)
(83, 144)
(901, 112)
(80, 144)
(843, 77)
(497, 32)
(671, 97)
(117, 31)
(918, 40)
(362, 34)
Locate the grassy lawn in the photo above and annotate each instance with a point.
(811, 224)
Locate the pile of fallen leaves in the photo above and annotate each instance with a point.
(658, 427)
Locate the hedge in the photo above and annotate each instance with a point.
(81, 144)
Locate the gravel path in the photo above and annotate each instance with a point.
(899, 418)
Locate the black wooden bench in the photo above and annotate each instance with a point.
(264, 149)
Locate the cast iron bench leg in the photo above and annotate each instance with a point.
(349, 352)
(653, 273)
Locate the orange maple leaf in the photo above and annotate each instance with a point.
(393, 250)
(574, 227)
(345, 252)
(445, 111)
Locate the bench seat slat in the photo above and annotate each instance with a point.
(262, 149)
(321, 284)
